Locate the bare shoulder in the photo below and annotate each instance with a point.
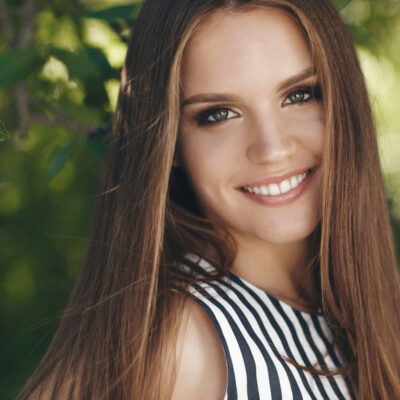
(201, 367)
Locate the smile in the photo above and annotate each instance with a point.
(275, 189)
(282, 193)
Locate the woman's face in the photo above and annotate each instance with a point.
(252, 124)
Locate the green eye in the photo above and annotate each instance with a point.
(219, 115)
(215, 115)
(303, 95)
(299, 97)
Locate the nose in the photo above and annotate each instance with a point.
(271, 140)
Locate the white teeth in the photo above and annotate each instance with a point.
(285, 186)
(293, 182)
(274, 189)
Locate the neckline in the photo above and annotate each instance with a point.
(317, 313)
(206, 265)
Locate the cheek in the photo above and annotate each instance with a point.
(210, 160)
(201, 162)
(311, 134)
(209, 156)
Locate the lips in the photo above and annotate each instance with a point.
(277, 200)
(277, 179)
(281, 188)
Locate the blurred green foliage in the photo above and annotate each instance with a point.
(59, 69)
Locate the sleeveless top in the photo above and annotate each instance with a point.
(257, 330)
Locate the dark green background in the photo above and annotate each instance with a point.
(60, 63)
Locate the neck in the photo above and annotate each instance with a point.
(281, 270)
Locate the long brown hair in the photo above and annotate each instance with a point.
(115, 338)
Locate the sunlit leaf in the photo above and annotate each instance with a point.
(114, 13)
(341, 3)
(80, 65)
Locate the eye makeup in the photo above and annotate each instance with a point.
(222, 113)
(303, 95)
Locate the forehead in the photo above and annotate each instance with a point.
(252, 43)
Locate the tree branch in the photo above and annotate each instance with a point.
(28, 14)
(93, 131)
(61, 122)
(6, 23)
(23, 109)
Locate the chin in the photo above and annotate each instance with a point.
(282, 235)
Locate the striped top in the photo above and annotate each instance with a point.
(256, 330)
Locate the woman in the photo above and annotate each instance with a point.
(242, 248)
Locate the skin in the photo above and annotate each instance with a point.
(266, 132)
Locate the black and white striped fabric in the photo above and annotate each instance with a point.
(256, 330)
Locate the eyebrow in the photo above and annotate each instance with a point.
(225, 97)
(307, 73)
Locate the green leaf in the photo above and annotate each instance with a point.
(114, 13)
(95, 94)
(79, 63)
(4, 134)
(341, 3)
(17, 64)
(98, 58)
(60, 157)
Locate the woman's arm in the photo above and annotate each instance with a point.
(201, 367)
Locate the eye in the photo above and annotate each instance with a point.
(303, 95)
(216, 115)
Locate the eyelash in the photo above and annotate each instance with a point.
(313, 91)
